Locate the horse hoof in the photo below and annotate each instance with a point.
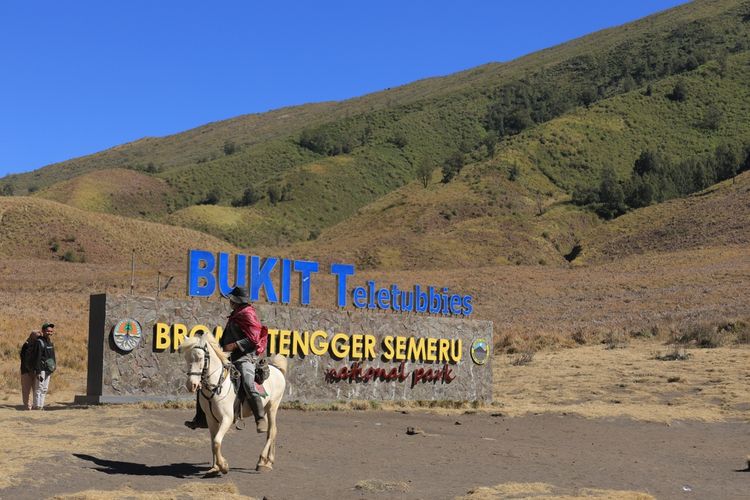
(212, 472)
(225, 468)
(263, 468)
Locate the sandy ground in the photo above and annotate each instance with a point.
(588, 422)
(140, 453)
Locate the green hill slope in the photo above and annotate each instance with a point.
(118, 191)
(551, 120)
(716, 217)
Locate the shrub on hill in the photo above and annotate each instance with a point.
(654, 179)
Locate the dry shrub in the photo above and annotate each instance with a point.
(676, 353)
(615, 340)
(647, 332)
(703, 335)
(522, 358)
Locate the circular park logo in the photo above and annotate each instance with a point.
(480, 351)
(127, 334)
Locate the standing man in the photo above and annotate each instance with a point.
(27, 369)
(242, 338)
(44, 363)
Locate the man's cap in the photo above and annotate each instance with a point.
(238, 295)
(47, 325)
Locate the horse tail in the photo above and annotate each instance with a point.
(279, 362)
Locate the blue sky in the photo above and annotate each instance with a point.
(80, 76)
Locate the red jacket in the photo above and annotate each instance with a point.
(245, 319)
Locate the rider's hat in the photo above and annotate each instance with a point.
(238, 295)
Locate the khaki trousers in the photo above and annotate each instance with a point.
(27, 388)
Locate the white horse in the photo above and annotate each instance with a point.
(209, 372)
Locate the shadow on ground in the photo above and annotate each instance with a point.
(180, 470)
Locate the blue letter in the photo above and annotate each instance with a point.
(286, 281)
(260, 277)
(467, 305)
(200, 268)
(359, 297)
(305, 268)
(342, 271)
(240, 271)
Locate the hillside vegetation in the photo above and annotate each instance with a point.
(716, 217)
(553, 121)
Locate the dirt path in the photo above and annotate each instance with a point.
(326, 454)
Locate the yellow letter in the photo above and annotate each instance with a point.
(445, 345)
(161, 336)
(196, 329)
(300, 343)
(370, 346)
(388, 348)
(178, 335)
(456, 350)
(319, 348)
(339, 352)
(357, 341)
(273, 348)
(400, 348)
(218, 332)
(431, 348)
(285, 340)
(416, 349)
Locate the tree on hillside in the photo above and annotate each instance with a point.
(712, 118)
(513, 173)
(212, 198)
(452, 166)
(639, 192)
(490, 142)
(274, 195)
(8, 189)
(611, 195)
(726, 162)
(229, 148)
(249, 197)
(679, 91)
(424, 171)
(648, 162)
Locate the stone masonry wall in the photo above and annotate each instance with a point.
(147, 374)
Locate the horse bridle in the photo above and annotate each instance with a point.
(214, 389)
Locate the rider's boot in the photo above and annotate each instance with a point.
(199, 420)
(261, 422)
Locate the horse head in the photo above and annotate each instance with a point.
(196, 356)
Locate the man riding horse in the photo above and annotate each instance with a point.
(243, 339)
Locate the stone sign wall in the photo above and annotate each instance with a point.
(446, 359)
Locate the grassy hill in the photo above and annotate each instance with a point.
(524, 135)
(41, 229)
(386, 135)
(716, 217)
(117, 191)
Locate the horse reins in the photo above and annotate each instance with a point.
(205, 384)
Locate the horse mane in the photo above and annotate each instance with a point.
(211, 340)
(188, 344)
(191, 342)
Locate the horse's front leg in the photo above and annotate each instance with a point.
(216, 439)
(267, 456)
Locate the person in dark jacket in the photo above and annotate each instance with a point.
(27, 370)
(43, 364)
(242, 338)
